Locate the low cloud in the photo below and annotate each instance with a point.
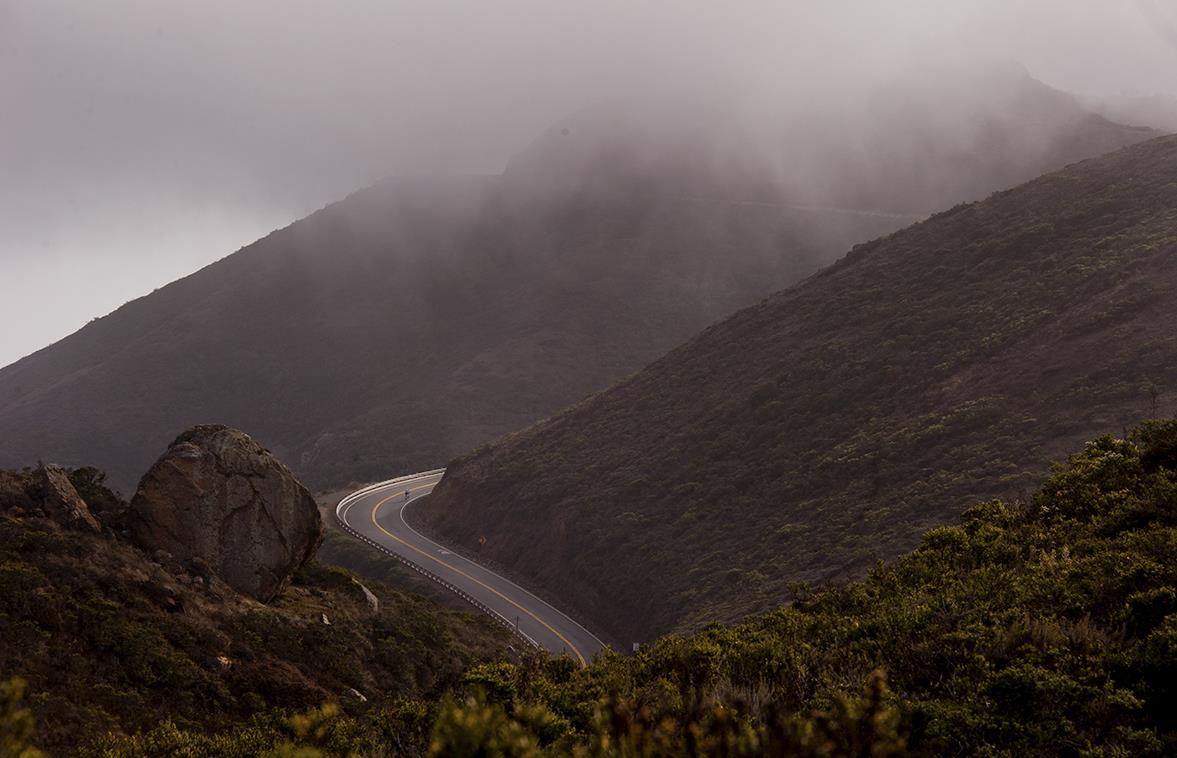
(144, 139)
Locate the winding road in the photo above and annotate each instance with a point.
(375, 515)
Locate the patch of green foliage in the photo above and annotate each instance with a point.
(341, 549)
(16, 722)
(400, 727)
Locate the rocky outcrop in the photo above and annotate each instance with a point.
(369, 597)
(61, 501)
(47, 492)
(219, 499)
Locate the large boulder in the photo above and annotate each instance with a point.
(218, 496)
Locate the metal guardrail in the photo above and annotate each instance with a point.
(478, 604)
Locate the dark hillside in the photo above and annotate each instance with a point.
(114, 640)
(827, 427)
(408, 323)
(417, 319)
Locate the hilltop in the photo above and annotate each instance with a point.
(1158, 111)
(827, 427)
(419, 318)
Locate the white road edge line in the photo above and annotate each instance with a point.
(344, 506)
(526, 592)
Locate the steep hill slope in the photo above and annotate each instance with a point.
(406, 324)
(420, 318)
(808, 436)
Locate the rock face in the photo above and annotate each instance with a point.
(46, 492)
(62, 503)
(218, 497)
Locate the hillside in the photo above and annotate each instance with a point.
(1043, 626)
(406, 324)
(421, 317)
(808, 436)
(114, 640)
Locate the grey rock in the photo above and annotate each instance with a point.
(62, 503)
(199, 568)
(373, 601)
(218, 500)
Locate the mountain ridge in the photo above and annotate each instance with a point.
(422, 317)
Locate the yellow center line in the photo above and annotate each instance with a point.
(407, 489)
(457, 570)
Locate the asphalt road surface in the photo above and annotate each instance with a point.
(377, 513)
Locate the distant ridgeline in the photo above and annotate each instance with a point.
(1040, 626)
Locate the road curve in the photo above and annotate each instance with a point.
(375, 515)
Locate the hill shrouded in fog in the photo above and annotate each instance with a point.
(420, 318)
(806, 437)
(407, 324)
(1157, 111)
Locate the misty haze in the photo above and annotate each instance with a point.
(620, 378)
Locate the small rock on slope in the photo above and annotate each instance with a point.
(62, 503)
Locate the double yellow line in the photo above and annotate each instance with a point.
(457, 570)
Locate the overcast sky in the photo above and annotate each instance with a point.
(142, 140)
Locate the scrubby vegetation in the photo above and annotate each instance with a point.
(343, 550)
(807, 437)
(1044, 626)
(109, 639)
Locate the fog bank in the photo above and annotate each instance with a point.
(144, 139)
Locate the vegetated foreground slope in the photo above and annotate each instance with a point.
(1043, 626)
(422, 317)
(112, 639)
(827, 427)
